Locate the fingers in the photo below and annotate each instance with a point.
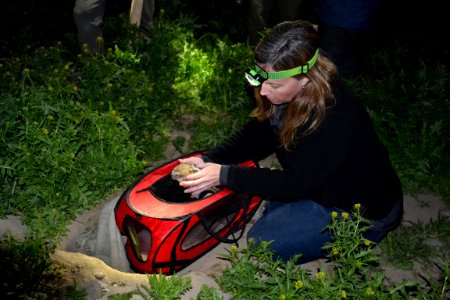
(194, 176)
(197, 183)
(207, 178)
(210, 173)
(195, 190)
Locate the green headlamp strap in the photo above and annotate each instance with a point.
(256, 76)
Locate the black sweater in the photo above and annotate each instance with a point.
(341, 163)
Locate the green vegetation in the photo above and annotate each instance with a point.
(409, 104)
(76, 128)
(160, 287)
(417, 242)
(353, 272)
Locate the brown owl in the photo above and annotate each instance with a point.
(183, 170)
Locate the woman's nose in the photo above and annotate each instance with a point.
(264, 90)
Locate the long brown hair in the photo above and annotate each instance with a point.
(288, 45)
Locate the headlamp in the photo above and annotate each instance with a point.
(257, 76)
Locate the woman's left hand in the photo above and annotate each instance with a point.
(205, 179)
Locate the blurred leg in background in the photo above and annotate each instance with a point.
(148, 10)
(88, 16)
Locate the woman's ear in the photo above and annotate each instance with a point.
(303, 82)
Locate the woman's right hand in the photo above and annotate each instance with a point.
(203, 180)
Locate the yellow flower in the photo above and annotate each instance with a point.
(50, 118)
(66, 67)
(75, 88)
(334, 215)
(299, 284)
(320, 275)
(282, 297)
(335, 251)
(233, 248)
(367, 242)
(345, 215)
(343, 295)
(357, 206)
(370, 292)
(109, 85)
(45, 131)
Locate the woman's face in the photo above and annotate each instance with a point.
(279, 91)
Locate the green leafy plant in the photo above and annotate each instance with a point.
(165, 287)
(178, 143)
(351, 271)
(208, 293)
(418, 242)
(26, 268)
(75, 293)
(407, 101)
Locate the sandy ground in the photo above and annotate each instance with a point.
(76, 255)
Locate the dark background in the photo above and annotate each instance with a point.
(420, 25)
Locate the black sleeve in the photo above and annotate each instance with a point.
(255, 141)
(306, 170)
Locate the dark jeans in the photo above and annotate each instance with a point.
(298, 228)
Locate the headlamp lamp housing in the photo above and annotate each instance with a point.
(257, 76)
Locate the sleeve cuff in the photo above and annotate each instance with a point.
(224, 174)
